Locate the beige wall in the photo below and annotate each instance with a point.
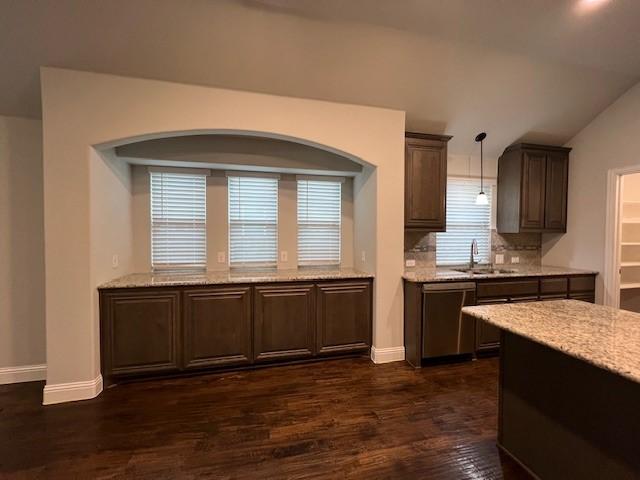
(81, 110)
(22, 329)
(217, 225)
(610, 141)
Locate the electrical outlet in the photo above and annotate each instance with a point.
(515, 259)
(363, 257)
(410, 263)
(222, 257)
(499, 259)
(284, 256)
(115, 261)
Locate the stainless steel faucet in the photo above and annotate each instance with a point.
(474, 251)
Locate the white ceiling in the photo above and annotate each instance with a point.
(535, 70)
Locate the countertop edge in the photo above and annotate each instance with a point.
(500, 276)
(248, 280)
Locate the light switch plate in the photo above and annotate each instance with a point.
(284, 256)
(515, 259)
(222, 257)
(499, 259)
(363, 256)
(115, 261)
(409, 263)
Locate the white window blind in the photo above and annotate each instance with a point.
(465, 221)
(178, 221)
(319, 213)
(253, 221)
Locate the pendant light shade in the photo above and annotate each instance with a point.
(482, 198)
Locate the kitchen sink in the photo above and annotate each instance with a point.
(484, 270)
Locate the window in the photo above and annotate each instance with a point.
(465, 221)
(178, 221)
(253, 221)
(319, 211)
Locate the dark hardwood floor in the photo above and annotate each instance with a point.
(343, 418)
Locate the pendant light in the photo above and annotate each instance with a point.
(482, 198)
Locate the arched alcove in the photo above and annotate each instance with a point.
(87, 115)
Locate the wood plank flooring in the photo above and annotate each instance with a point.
(343, 419)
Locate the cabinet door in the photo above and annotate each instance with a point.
(139, 332)
(487, 335)
(284, 321)
(533, 190)
(425, 185)
(555, 211)
(343, 317)
(217, 327)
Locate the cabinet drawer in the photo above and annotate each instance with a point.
(585, 297)
(582, 284)
(553, 286)
(510, 289)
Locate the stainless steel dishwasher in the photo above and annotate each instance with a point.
(445, 330)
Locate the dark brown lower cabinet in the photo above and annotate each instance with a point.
(217, 327)
(283, 322)
(343, 317)
(497, 291)
(151, 331)
(140, 332)
(487, 336)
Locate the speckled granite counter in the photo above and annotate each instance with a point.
(603, 336)
(137, 280)
(421, 275)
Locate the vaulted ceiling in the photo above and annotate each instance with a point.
(535, 70)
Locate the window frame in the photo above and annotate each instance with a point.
(326, 262)
(490, 188)
(157, 266)
(259, 264)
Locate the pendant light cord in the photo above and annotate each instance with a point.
(481, 168)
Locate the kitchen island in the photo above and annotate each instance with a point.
(569, 388)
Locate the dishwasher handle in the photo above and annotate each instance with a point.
(448, 286)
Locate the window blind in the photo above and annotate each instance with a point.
(465, 221)
(178, 221)
(319, 214)
(253, 221)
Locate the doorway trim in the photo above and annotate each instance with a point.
(611, 296)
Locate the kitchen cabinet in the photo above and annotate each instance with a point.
(425, 181)
(217, 327)
(532, 189)
(139, 332)
(284, 321)
(489, 292)
(487, 335)
(582, 288)
(153, 331)
(343, 317)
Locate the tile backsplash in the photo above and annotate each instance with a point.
(526, 246)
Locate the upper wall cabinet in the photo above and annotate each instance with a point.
(425, 181)
(532, 189)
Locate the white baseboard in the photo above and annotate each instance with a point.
(24, 373)
(71, 392)
(387, 355)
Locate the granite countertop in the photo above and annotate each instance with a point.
(445, 274)
(135, 280)
(602, 336)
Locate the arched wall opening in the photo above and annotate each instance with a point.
(86, 115)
